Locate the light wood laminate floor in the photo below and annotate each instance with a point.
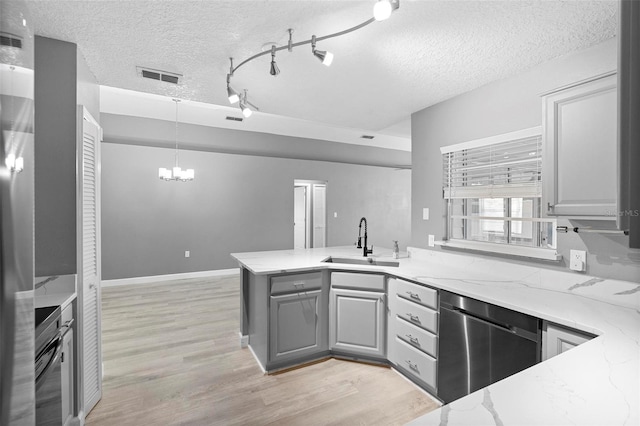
(171, 356)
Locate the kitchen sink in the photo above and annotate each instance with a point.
(361, 261)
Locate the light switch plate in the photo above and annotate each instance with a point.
(432, 240)
(425, 213)
(578, 260)
(187, 253)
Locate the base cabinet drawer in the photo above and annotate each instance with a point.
(296, 283)
(416, 293)
(415, 362)
(416, 314)
(416, 336)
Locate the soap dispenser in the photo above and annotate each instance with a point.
(396, 249)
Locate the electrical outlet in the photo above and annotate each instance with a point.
(432, 240)
(578, 260)
(425, 213)
(335, 214)
(187, 253)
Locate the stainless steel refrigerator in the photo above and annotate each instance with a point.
(17, 387)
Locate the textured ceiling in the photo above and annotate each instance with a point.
(426, 52)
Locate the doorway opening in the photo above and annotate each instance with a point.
(309, 214)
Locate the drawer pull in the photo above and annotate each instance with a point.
(298, 284)
(413, 340)
(413, 295)
(413, 318)
(412, 366)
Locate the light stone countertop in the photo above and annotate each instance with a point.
(596, 383)
(57, 290)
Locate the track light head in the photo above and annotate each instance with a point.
(244, 107)
(246, 111)
(325, 57)
(232, 94)
(274, 67)
(382, 10)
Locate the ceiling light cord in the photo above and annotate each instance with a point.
(324, 56)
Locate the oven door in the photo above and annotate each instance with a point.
(49, 383)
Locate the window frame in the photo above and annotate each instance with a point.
(504, 191)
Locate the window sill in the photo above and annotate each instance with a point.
(511, 250)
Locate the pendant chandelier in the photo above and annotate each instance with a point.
(176, 173)
(382, 10)
(14, 163)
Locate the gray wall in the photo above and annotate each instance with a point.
(236, 203)
(62, 81)
(55, 157)
(501, 107)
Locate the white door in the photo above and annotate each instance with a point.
(89, 267)
(319, 215)
(300, 217)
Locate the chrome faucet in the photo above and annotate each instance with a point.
(365, 250)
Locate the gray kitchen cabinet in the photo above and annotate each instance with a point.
(579, 169)
(557, 339)
(357, 316)
(297, 319)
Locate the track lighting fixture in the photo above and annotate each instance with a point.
(274, 67)
(325, 57)
(382, 9)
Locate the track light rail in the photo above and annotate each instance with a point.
(300, 43)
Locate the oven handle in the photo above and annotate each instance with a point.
(55, 345)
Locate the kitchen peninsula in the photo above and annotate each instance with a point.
(593, 383)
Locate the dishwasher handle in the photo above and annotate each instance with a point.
(503, 326)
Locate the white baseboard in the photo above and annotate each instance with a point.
(257, 360)
(170, 277)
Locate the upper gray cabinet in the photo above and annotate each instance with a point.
(579, 165)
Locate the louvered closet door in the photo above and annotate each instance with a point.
(90, 261)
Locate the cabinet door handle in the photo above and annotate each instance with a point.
(413, 340)
(413, 295)
(549, 207)
(413, 317)
(412, 366)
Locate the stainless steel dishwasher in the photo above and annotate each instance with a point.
(480, 343)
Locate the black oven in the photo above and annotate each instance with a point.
(49, 335)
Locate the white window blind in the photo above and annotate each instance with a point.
(498, 167)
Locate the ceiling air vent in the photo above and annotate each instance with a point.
(10, 40)
(234, 118)
(166, 76)
(367, 137)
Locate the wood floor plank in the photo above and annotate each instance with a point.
(171, 356)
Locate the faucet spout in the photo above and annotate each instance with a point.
(365, 250)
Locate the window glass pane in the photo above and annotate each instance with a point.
(482, 229)
(523, 232)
